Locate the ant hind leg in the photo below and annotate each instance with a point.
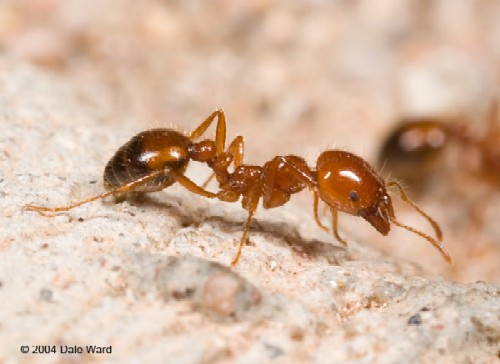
(316, 214)
(243, 239)
(127, 188)
(253, 201)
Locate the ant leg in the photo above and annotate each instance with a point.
(220, 134)
(334, 226)
(190, 185)
(300, 174)
(305, 177)
(316, 215)
(252, 206)
(243, 239)
(209, 179)
(129, 187)
(236, 149)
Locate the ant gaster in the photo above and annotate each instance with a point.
(155, 159)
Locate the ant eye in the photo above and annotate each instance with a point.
(353, 195)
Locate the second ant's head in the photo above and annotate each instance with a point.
(349, 184)
(413, 152)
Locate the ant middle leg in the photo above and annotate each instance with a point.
(236, 148)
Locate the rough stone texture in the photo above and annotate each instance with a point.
(150, 278)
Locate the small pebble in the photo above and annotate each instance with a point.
(415, 320)
(219, 294)
(46, 294)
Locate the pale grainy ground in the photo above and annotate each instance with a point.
(292, 78)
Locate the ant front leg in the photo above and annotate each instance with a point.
(129, 187)
(335, 216)
(236, 151)
(305, 175)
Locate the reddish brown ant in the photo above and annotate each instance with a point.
(344, 181)
(155, 159)
(415, 150)
(454, 162)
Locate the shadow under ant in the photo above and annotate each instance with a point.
(281, 231)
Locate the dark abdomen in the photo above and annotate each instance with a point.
(130, 162)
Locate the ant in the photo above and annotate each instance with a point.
(415, 150)
(455, 163)
(155, 159)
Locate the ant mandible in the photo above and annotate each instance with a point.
(155, 159)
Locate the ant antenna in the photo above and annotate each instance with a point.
(431, 240)
(405, 198)
(437, 229)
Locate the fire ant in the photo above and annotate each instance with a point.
(155, 159)
(415, 150)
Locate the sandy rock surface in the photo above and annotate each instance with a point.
(150, 278)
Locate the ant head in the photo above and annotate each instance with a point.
(348, 183)
(417, 138)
